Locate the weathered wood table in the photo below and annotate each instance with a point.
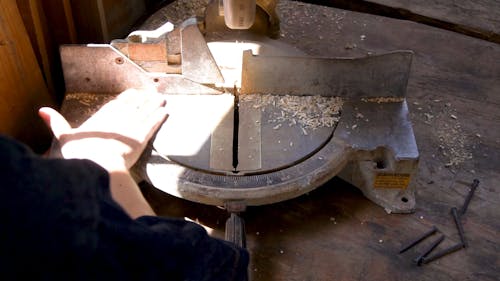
(334, 233)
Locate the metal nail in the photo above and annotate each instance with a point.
(442, 253)
(475, 184)
(419, 239)
(418, 260)
(460, 228)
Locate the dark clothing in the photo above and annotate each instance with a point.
(59, 222)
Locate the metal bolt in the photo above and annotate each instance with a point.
(460, 228)
(419, 239)
(236, 206)
(119, 60)
(418, 260)
(442, 253)
(475, 184)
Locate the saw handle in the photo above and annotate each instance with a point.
(235, 230)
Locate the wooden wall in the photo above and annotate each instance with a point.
(31, 32)
(109, 19)
(22, 87)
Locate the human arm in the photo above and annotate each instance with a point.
(114, 138)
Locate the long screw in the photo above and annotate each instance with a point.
(419, 239)
(460, 228)
(475, 184)
(442, 253)
(418, 260)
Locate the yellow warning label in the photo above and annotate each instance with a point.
(385, 180)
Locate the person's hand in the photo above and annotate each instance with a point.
(116, 135)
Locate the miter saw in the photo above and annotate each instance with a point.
(253, 120)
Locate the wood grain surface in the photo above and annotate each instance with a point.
(334, 233)
(476, 18)
(22, 86)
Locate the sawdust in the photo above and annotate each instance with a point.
(83, 106)
(383, 99)
(453, 141)
(308, 112)
(453, 144)
(84, 98)
(89, 101)
(307, 15)
(176, 12)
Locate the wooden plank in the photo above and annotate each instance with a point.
(452, 74)
(22, 88)
(56, 19)
(347, 34)
(60, 19)
(70, 23)
(477, 18)
(120, 20)
(49, 26)
(482, 15)
(36, 25)
(103, 22)
(143, 51)
(87, 22)
(100, 21)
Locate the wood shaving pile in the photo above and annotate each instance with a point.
(78, 107)
(453, 142)
(83, 98)
(309, 112)
(383, 99)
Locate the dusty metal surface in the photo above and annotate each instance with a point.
(386, 156)
(270, 139)
(199, 132)
(252, 189)
(198, 63)
(103, 69)
(373, 76)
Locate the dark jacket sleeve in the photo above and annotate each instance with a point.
(60, 223)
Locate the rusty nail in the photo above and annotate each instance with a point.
(419, 239)
(460, 228)
(475, 184)
(418, 260)
(442, 253)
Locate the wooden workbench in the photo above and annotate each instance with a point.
(334, 233)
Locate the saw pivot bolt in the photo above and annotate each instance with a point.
(119, 60)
